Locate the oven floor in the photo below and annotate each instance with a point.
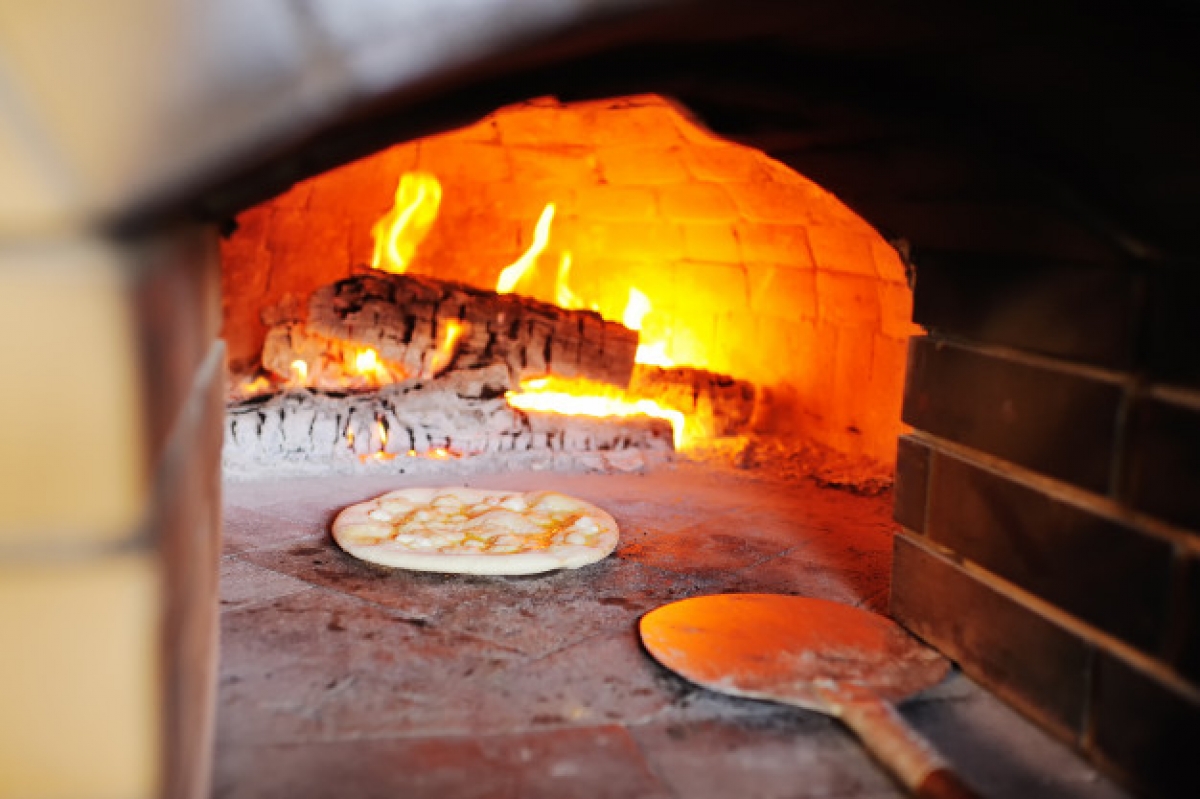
(342, 679)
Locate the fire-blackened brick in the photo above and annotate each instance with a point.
(912, 477)
(1066, 554)
(1075, 311)
(1060, 422)
(1023, 657)
(1163, 476)
(1146, 729)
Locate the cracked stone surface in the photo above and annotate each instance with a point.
(341, 678)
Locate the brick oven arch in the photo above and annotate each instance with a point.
(1040, 173)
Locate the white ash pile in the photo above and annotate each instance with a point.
(460, 415)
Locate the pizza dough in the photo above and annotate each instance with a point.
(476, 531)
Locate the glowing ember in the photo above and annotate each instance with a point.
(299, 371)
(399, 232)
(512, 274)
(368, 364)
(452, 332)
(382, 428)
(583, 398)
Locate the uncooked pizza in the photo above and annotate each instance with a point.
(476, 531)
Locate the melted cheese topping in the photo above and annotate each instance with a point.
(454, 522)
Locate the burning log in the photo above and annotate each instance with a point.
(716, 404)
(460, 414)
(419, 327)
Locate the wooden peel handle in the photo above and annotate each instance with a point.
(908, 756)
(944, 784)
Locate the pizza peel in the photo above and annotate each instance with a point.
(813, 654)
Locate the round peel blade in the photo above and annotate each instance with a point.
(788, 649)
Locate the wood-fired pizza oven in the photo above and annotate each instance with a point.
(950, 244)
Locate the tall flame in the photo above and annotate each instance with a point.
(512, 274)
(402, 229)
(636, 309)
(653, 353)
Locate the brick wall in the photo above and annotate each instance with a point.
(110, 515)
(1048, 497)
(753, 270)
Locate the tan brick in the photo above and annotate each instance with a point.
(790, 353)
(616, 203)
(847, 300)
(451, 159)
(711, 242)
(176, 302)
(641, 165)
(485, 130)
(783, 292)
(713, 287)
(76, 420)
(772, 201)
(529, 124)
(882, 425)
(80, 680)
(307, 250)
(837, 249)
(895, 303)
(365, 189)
(888, 265)
(698, 202)
(776, 244)
(642, 241)
(554, 164)
(723, 163)
(691, 337)
(645, 119)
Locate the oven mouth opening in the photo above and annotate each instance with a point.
(598, 278)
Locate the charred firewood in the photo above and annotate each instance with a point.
(421, 327)
(717, 404)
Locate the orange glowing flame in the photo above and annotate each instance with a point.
(299, 371)
(511, 275)
(402, 229)
(582, 398)
(367, 364)
(637, 308)
(451, 333)
(382, 428)
(563, 296)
